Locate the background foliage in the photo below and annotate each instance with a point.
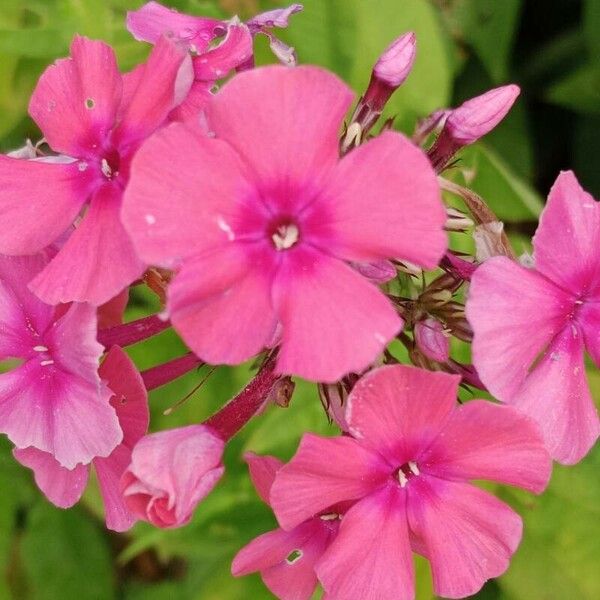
(552, 50)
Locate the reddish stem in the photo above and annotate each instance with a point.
(132, 333)
(162, 374)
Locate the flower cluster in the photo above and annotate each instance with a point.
(274, 227)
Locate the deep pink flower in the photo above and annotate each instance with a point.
(407, 466)
(170, 472)
(96, 118)
(64, 487)
(55, 400)
(285, 559)
(267, 216)
(531, 325)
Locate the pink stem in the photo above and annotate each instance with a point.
(228, 420)
(132, 333)
(160, 375)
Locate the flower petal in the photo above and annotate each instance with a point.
(370, 558)
(158, 91)
(334, 321)
(399, 410)
(469, 535)
(262, 472)
(511, 451)
(55, 193)
(556, 395)
(76, 99)
(202, 182)
(323, 472)
(62, 487)
(99, 244)
(286, 559)
(295, 121)
(590, 325)
(514, 312)
(568, 237)
(387, 203)
(221, 306)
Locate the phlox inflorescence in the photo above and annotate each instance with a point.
(274, 226)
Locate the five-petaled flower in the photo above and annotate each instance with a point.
(407, 465)
(268, 217)
(531, 325)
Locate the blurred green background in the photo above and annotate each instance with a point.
(551, 49)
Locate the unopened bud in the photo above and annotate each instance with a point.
(333, 397)
(432, 340)
(470, 121)
(457, 220)
(378, 272)
(489, 240)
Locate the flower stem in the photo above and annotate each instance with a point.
(132, 333)
(160, 375)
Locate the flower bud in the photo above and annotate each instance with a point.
(432, 340)
(170, 472)
(379, 272)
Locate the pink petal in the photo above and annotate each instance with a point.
(324, 471)
(98, 244)
(384, 187)
(262, 472)
(514, 313)
(109, 471)
(23, 317)
(195, 102)
(201, 182)
(511, 451)
(153, 20)
(556, 395)
(469, 535)
(334, 321)
(221, 306)
(55, 194)
(295, 121)
(371, 558)
(62, 487)
(590, 325)
(399, 410)
(76, 99)
(568, 237)
(233, 51)
(163, 83)
(292, 579)
(274, 18)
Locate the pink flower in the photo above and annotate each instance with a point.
(96, 118)
(55, 400)
(268, 216)
(407, 466)
(531, 325)
(64, 487)
(170, 472)
(285, 559)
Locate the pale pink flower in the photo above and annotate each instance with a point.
(96, 119)
(531, 325)
(55, 400)
(64, 487)
(170, 472)
(285, 559)
(261, 221)
(407, 465)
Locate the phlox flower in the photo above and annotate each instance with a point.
(95, 118)
(211, 61)
(54, 400)
(262, 219)
(171, 472)
(531, 325)
(407, 464)
(64, 487)
(285, 559)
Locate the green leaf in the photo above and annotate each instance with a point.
(591, 28)
(66, 556)
(490, 27)
(578, 90)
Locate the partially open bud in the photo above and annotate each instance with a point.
(389, 73)
(489, 240)
(432, 340)
(470, 121)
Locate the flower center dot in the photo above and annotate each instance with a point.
(406, 472)
(285, 236)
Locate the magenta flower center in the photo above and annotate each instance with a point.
(406, 472)
(110, 164)
(44, 355)
(284, 234)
